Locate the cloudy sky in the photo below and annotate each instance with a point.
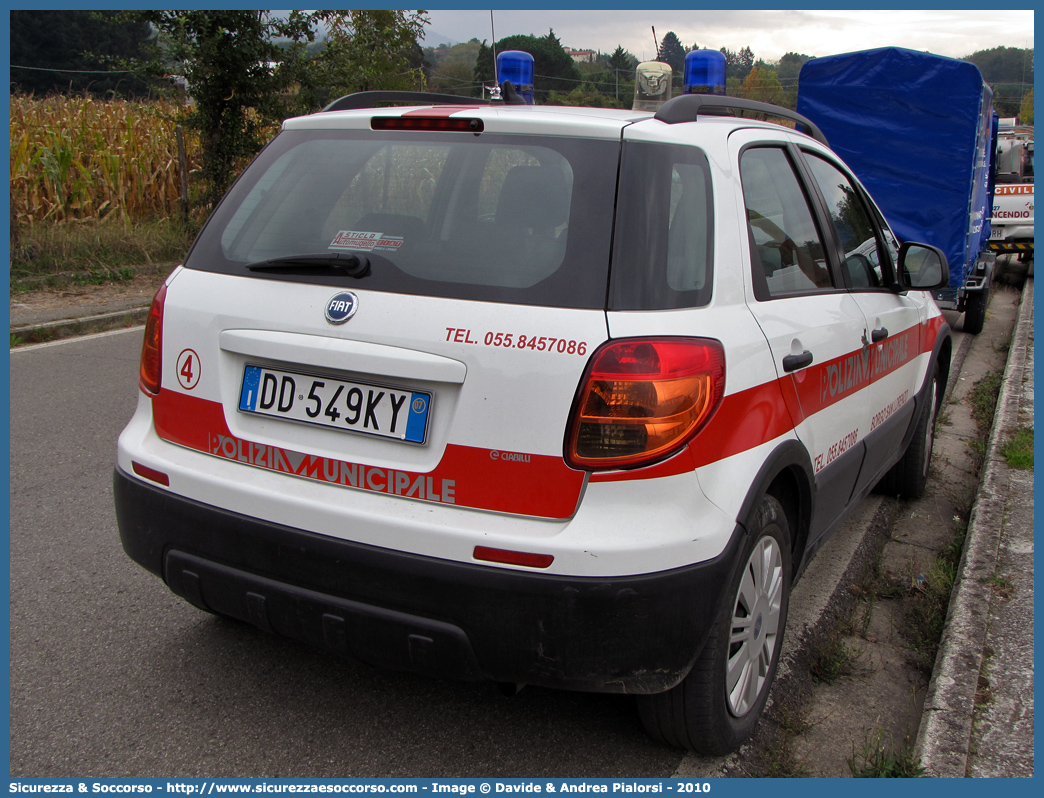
(769, 33)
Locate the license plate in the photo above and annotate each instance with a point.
(328, 402)
(996, 234)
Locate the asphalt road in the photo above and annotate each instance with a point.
(114, 676)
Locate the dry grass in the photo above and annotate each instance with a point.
(95, 250)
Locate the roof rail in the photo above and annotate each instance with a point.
(687, 107)
(367, 99)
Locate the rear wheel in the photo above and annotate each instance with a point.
(909, 476)
(975, 311)
(715, 707)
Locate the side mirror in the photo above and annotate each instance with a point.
(922, 268)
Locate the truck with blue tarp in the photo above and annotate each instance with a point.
(919, 131)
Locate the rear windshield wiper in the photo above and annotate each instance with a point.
(349, 263)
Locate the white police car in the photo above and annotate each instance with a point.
(551, 396)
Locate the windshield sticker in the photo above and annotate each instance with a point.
(361, 241)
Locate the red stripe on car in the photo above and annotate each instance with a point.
(467, 476)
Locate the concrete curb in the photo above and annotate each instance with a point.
(944, 738)
(66, 328)
(64, 278)
(93, 308)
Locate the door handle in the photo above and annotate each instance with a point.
(879, 334)
(795, 362)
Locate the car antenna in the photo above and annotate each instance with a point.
(494, 90)
(493, 44)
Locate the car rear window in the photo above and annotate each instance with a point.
(521, 219)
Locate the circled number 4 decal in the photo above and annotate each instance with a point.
(189, 369)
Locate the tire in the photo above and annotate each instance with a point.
(716, 706)
(975, 311)
(907, 478)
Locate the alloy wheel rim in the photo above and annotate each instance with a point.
(754, 633)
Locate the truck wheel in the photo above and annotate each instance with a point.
(715, 707)
(975, 311)
(909, 477)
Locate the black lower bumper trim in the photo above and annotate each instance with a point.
(347, 628)
(390, 609)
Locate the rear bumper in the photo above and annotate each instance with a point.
(631, 634)
(1008, 246)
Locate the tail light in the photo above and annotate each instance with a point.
(641, 400)
(151, 367)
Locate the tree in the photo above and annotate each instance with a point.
(789, 66)
(452, 69)
(621, 66)
(366, 50)
(622, 60)
(237, 75)
(764, 86)
(1004, 64)
(788, 70)
(553, 69)
(1026, 109)
(671, 51)
(452, 77)
(738, 65)
(746, 61)
(71, 51)
(589, 96)
(1009, 71)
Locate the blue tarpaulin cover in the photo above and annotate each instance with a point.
(916, 130)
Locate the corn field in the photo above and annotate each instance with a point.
(78, 158)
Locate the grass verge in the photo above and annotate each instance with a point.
(983, 400)
(834, 660)
(928, 599)
(1018, 451)
(94, 251)
(879, 759)
(778, 760)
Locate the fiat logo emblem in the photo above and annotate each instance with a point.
(341, 307)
